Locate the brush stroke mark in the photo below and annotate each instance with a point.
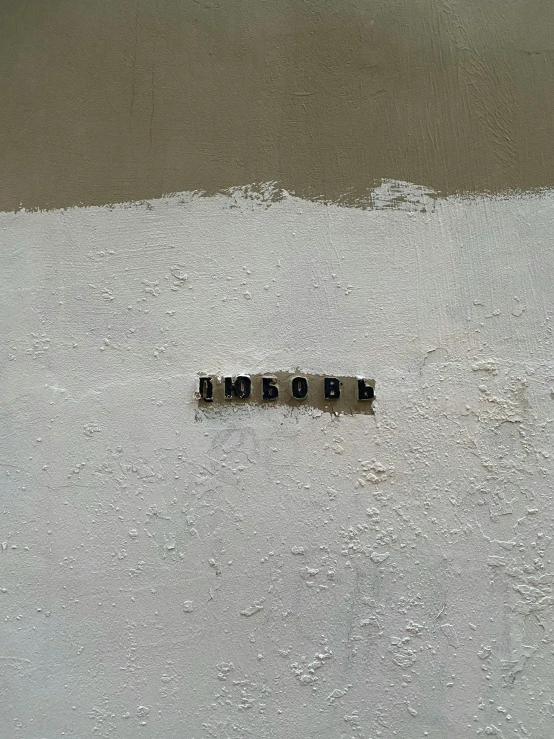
(326, 101)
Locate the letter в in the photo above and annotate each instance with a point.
(332, 388)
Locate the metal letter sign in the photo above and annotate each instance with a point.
(333, 394)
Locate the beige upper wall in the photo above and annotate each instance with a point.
(105, 101)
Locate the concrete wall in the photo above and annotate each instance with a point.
(363, 190)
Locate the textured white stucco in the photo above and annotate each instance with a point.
(265, 572)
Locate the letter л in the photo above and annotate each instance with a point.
(206, 389)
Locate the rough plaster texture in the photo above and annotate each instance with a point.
(268, 572)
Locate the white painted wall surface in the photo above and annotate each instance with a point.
(269, 573)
